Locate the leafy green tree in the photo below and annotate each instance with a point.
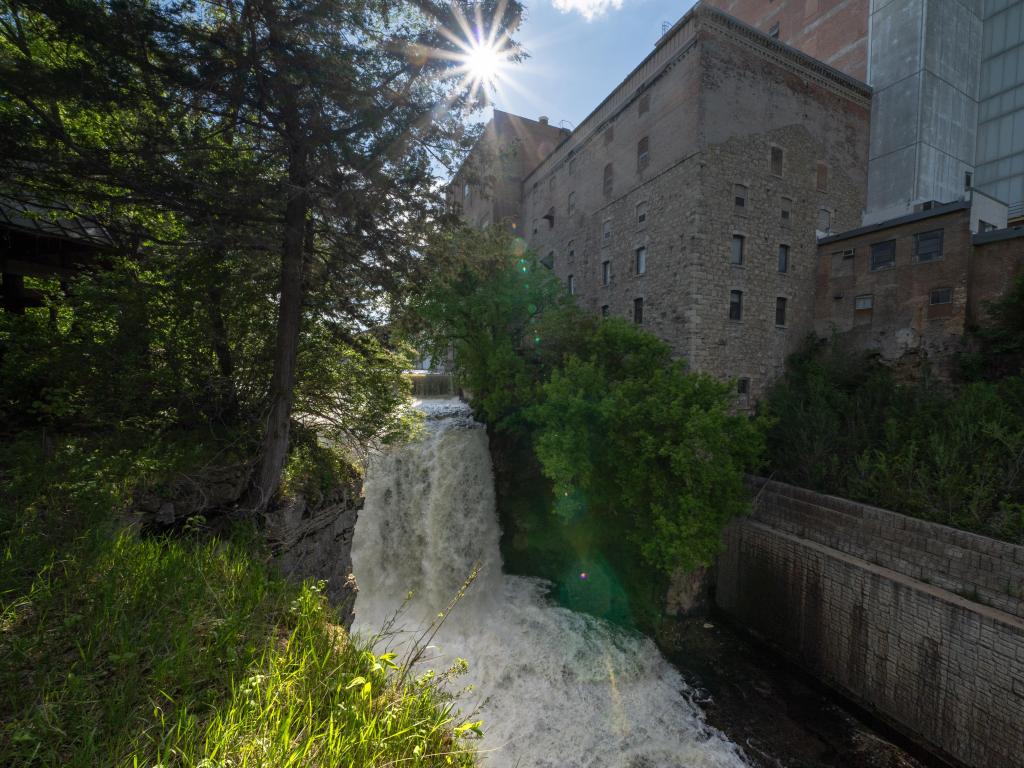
(277, 156)
(628, 438)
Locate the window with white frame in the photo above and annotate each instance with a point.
(640, 260)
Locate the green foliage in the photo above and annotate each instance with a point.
(843, 425)
(117, 650)
(625, 431)
(999, 342)
(635, 447)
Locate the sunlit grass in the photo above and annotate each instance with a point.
(117, 650)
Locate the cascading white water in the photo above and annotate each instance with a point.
(554, 687)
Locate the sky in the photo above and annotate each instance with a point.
(579, 51)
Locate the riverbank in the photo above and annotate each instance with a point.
(779, 715)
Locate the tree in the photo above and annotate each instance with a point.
(298, 132)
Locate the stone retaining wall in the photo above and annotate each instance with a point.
(867, 600)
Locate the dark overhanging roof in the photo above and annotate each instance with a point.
(996, 235)
(52, 221)
(938, 210)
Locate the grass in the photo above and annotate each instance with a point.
(120, 650)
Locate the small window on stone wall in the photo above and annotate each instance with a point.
(735, 305)
(641, 214)
(780, 311)
(864, 303)
(640, 260)
(777, 161)
(824, 220)
(941, 296)
(736, 256)
(606, 272)
(743, 387)
(571, 207)
(643, 155)
(638, 311)
(571, 284)
(822, 177)
(785, 209)
(604, 310)
(783, 258)
(606, 231)
(609, 179)
(571, 251)
(739, 196)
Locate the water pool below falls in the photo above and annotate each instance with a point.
(553, 687)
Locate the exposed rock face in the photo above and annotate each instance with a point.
(307, 539)
(316, 542)
(689, 592)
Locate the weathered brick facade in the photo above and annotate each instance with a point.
(916, 305)
(707, 108)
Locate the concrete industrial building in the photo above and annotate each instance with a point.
(948, 80)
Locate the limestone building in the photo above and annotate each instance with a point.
(689, 201)
(488, 187)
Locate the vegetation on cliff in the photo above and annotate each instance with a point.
(123, 650)
(952, 453)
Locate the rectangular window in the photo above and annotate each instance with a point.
(643, 155)
(606, 231)
(572, 203)
(571, 251)
(638, 311)
(641, 260)
(743, 387)
(604, 310)
(968, 180)
(865, 302)
(822, 177)
(941, 296)
(824, 220)
(606, 272)
(735, 305)
(645, 104)
(739, 195)
(780, 311)
(641, 213)
(736, 258)
(777, 161)
(571, 282)
(783, 258)
(609, 179)
(774, 31)
(928, 246)
(883, 255)
(785, 206)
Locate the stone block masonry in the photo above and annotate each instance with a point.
(919, 623)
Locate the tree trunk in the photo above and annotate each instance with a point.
(275, 441)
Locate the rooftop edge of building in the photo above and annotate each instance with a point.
(632, 85)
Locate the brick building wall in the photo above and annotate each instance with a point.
(850, 593)
(708, 117)
(834, 31)
(997, 261)
(903, 315)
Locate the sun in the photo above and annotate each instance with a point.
(484, 62)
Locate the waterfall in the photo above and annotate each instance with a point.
(553, 687)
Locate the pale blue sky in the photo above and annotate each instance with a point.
(575, 62)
